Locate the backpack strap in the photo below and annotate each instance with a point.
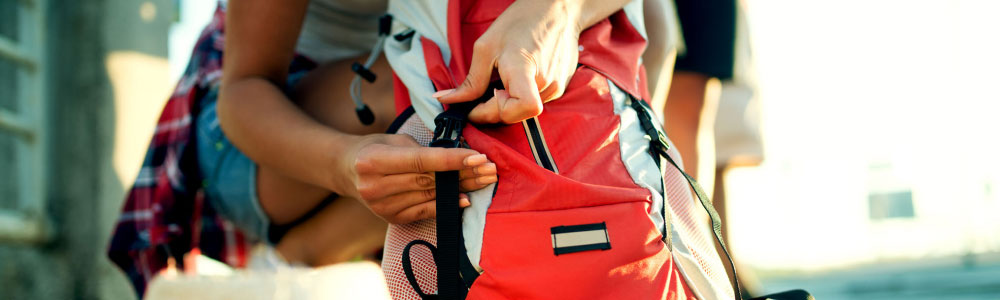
(659, 146)
(450, 244)
(447, 134)
(408, 267)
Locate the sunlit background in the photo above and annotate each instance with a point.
(880, 178)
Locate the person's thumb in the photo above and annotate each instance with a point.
(476, 82)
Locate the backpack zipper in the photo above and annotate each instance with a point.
(539, 149)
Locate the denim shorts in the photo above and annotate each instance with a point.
(230, 177)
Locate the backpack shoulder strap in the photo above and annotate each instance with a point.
(658, 144)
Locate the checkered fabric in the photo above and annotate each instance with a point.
(165, 213)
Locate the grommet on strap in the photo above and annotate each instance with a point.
(363, 72)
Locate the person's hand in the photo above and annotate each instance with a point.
(533, 46)
(394, 176)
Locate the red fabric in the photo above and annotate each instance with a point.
(582, 131)
(593, 185)
(436, 69)
(613, 47)
(519, 262)
(401, 94)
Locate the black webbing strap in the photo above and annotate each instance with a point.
(449, 231)
(656, 137)
(450, 245)
(658, 144)
(408, 268)
(447, 134)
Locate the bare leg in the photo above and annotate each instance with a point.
(341, 231)
(689, 119)
(661, 51)
(345, 228)
(719, 202)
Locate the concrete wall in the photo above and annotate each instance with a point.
(106, 69)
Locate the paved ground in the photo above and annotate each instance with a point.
(356, 280)
(952, 278)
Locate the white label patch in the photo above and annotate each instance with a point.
(577, 238)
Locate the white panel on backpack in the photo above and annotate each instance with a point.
(474, 223)
(407, 57)
(635, 153)
(640, 165)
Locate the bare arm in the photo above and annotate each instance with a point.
(254, 113)
(660, 52)
(387, 172)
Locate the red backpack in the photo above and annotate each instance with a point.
(590, 203)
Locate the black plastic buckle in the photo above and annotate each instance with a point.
(448, 131)
(657, 140)
(449, 124)
(659, 145)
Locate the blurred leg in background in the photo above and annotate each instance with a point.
(703, 108)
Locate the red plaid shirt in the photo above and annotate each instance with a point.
(165, 213)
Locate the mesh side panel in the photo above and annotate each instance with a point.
(398, 236)
(415, 128)
(692, 223)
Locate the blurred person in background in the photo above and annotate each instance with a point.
(710, 112)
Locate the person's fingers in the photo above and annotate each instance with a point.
(398, 160)
(417, 212)
(381, 187)
(474, 178)
(489, 112)
(401, 140)
(481, 173)
(486, 169)
(475, 160)
(472, 184)
(559, 73)
(483, 61)
(463, 200)
(519, 77)
(391, 206)
(551, 92)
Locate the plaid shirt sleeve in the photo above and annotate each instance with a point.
(164, 213)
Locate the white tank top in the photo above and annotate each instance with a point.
(338, 29)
